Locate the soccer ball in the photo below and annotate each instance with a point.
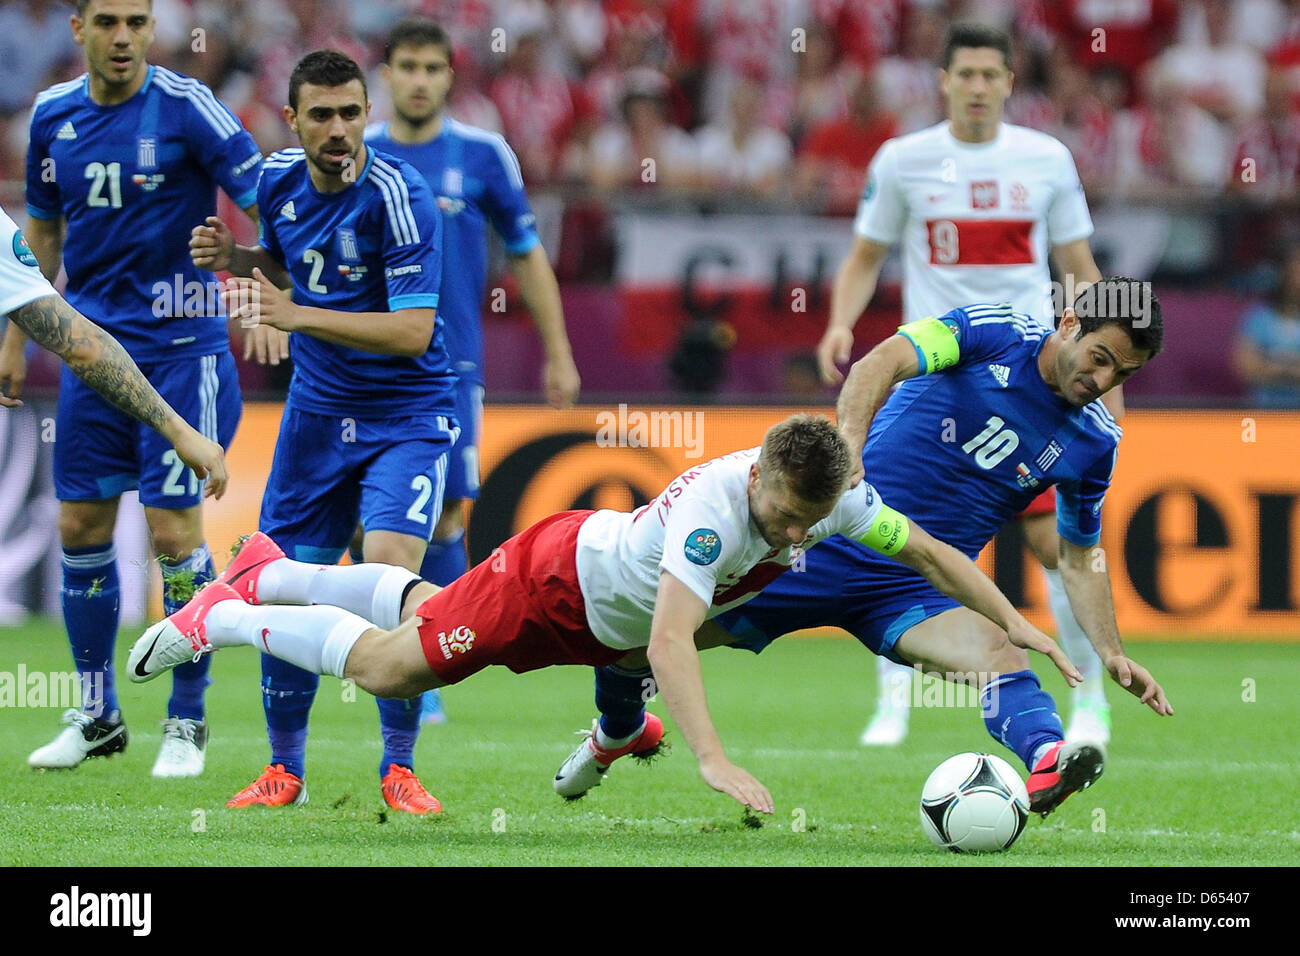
(974, 803)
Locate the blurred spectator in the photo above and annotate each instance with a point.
(1168, 144)
(1085, 123)
(535, 103)
(819, 90)
(1267, 357)
(1125, 34)
(867, 30)
(746, 38)
(1266, 158)
(1222, 76)
(741, 155)
(1029, 105)
(35, 40)
(908, 84)
(670, 38)
(833, 162)
(642, 149)
(800, 378)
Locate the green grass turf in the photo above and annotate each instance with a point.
(1214, 785)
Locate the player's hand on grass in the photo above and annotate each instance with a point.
(1023, 634)
(256, 301)
(725, 777)
(212, 245)
(205, 457)
(1137, 680)
(13, 374)
(266, 346)
(834, 349)
(561, 381)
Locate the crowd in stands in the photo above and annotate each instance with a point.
(782, 100)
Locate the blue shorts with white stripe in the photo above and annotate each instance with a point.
(100, 452)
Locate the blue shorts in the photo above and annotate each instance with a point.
(462, 460)
(329, 471)
(100, 452)
(842, 585)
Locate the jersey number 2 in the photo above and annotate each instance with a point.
(992, 444)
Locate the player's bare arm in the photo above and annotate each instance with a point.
(45, 239)
(541, 292)
(257, 300)
(676, 664)
(100, 361)
(213, 247)
(855, 284)
(867, 388)
(1087, 582)
(955, 575)
(263, 344)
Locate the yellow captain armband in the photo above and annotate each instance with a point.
(888, 532)
(936, 343)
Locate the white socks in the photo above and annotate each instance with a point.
(317, 639)
(895, 686)
(373, 591)
(1074, 642)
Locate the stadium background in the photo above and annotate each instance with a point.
(705, 290)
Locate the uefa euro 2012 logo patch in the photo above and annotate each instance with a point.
(22, 251)
(703, 546)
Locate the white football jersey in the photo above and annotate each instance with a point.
(700, 531)
(20, 278)
(975, 220)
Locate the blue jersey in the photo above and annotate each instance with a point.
(476, 179)
(375, 246)
(132, 180)
(964, 449)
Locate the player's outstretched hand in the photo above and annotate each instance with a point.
(206, 458)
(725, 777)
(835, 347)
(256, 301)
(1023, 634)
(561, 381)
(1137, 680)
(212, 245)
(265, 345)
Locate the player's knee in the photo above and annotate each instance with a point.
(85, 528)
(451, 522)
(377, 669)
(175, 534)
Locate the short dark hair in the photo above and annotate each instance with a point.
(976, 35)
(84, 5)
(324, 68)
(810, 455)
(1128, 303)
(416, 32)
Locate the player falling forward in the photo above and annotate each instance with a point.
(129, 157)
(368, 422)
(582, 587)
(975, 204)
(991, 411)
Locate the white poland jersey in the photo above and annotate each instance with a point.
(699, 530)
(20, 280)
(975, 220)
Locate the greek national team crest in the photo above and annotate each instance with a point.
(349, 253)
(703, 546)
(22, 251)
(146, 164)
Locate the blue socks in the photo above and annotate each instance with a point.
(181, 579)
(620, 697)
(399, 722)
(445, 561)
(287, 695)
(91, 604)
(1020, 714)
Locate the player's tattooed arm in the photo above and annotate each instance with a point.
(99, 360)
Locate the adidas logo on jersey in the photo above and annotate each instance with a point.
(66, 131)
(288, 212)
(1001, 373)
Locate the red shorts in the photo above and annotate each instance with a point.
(1044, 504)
(521, 608)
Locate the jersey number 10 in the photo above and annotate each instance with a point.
(994, 443)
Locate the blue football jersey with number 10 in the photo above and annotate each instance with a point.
(983, 435)
(132, 180)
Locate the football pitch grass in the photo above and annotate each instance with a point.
(1213, 785)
